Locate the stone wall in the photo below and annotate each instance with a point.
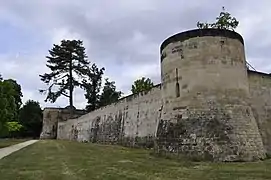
(51, 117)
(132, 121)
(260, 90)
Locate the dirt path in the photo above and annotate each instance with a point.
(8, 150)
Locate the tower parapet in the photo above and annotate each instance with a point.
(205, 93)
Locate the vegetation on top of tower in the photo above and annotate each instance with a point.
(223, 21)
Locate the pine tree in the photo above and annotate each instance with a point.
(66, 61)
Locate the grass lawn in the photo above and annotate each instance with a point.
(9, 142)
(64, 160)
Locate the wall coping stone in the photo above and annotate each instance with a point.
(201, 33)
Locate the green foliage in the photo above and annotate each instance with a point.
(223, 21)
(13, 128)
(93, 87)
(109, 94)
(10, 102)
(31, 118)
(17, 92)
(65, 61)
(205, 25)
(142, 84)
(8, 108)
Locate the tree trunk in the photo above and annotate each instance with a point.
(71, 87)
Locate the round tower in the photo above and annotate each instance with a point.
(205, 96)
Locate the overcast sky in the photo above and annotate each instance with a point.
(123, 36)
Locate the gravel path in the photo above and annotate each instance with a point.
(8, 150)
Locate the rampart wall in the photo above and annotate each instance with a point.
(115, 124)
(132, 122)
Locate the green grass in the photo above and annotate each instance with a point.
(10, 142)
(64, 160)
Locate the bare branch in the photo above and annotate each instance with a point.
(65, 94)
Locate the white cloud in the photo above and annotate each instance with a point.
(59, 34)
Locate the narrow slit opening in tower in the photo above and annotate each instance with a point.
(177, 89)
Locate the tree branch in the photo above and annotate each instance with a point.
(60, 77)
(65, 94)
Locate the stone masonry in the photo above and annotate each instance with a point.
(51, 118)
(209, 106)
